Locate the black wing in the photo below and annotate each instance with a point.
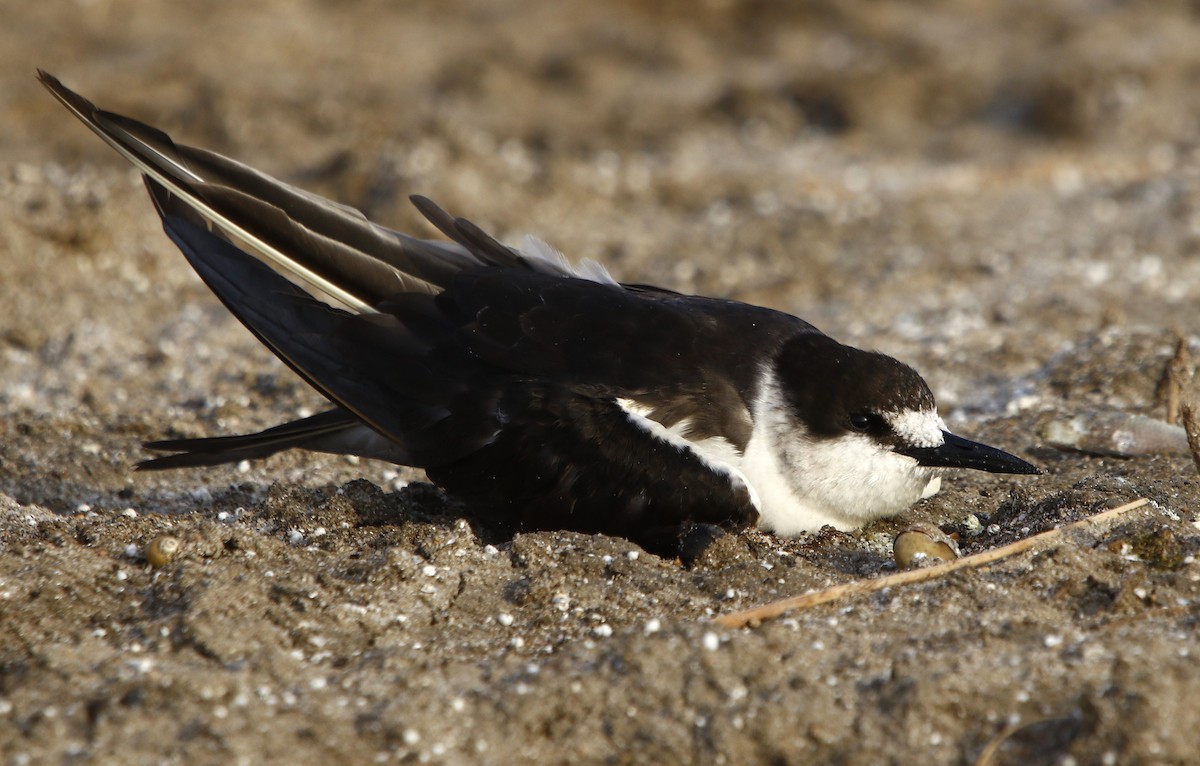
(537, 453)
(402, 376)
(460, 355)
(683, 358)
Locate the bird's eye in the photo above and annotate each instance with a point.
(861, 422)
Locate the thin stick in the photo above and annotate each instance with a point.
(1176, 377)
(1180, 372)
(846, 590)
(1171, 386)
(1187, 409)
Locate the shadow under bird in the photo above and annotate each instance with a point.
(543, 395)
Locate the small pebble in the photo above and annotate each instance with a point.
(972, 525)
(162, 550)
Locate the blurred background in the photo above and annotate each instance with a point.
(970, 185)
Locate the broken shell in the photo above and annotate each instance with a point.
(1122, 434)
(161, 550)
(923, 544)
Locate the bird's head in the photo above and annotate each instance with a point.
(856, 436)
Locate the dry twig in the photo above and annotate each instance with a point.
(1176, 377)
(1181, 396)
(847, 590)
(1187, 409)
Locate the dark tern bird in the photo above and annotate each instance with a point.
(543, 395)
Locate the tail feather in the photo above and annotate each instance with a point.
(336, 431)
(329, 246)
(428, 260)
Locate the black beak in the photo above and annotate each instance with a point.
(958, 452)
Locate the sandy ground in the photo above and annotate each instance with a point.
(1004, 194)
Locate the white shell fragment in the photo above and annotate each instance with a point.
(921, 545)
(1120, 434)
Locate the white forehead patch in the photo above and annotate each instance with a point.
(917, 428)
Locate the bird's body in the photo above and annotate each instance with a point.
(539, 393)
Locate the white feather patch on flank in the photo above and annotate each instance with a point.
(536, 249)
(595, 271)
(716, 453)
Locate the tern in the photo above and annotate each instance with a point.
(541, 394)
